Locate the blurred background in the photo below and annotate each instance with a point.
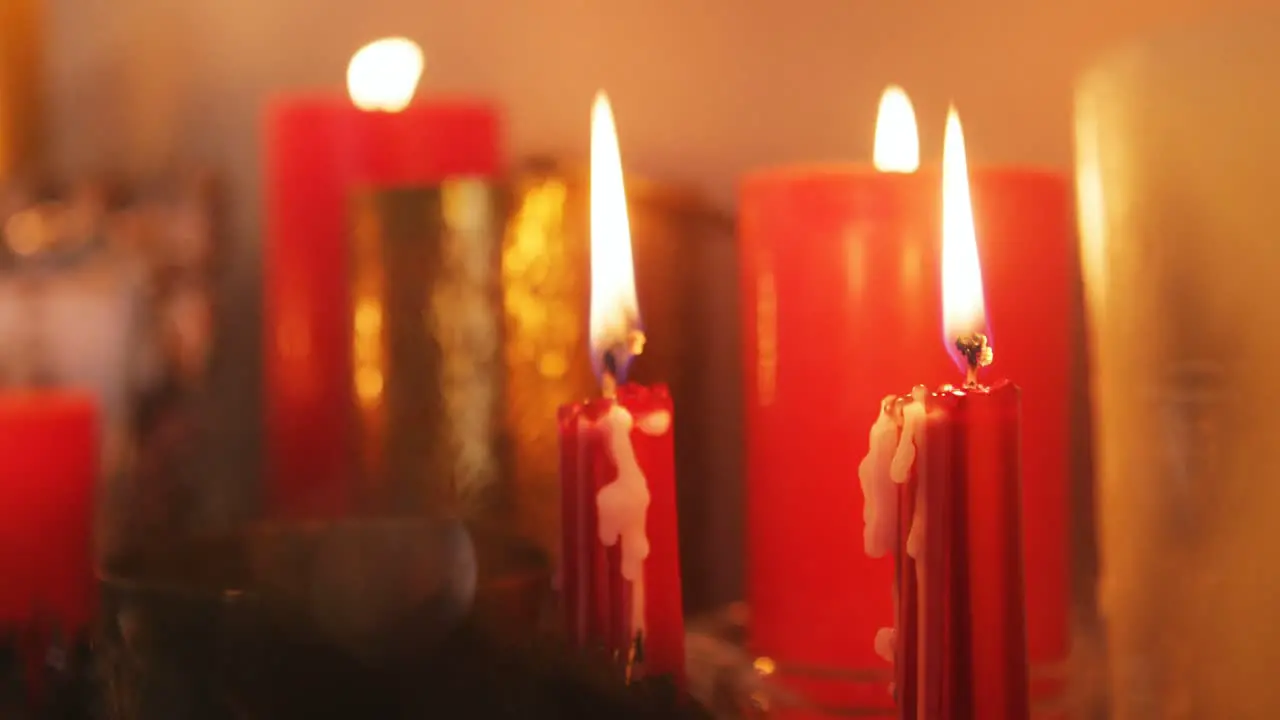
(133, 149)
(703, 91)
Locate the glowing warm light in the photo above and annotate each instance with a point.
(1091, 205)
(367, 351)
(963, 309)
(369, 385)
(384, 74)
(897, 146)
(615, 315)
(27, 232)
(765, 665)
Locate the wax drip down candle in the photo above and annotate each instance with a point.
(960, 649)
(620, 573)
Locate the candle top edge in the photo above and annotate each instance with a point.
(782, 174)
(47, 399)
(627, 393)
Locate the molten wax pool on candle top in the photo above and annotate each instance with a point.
(961, 647)
(621, 570)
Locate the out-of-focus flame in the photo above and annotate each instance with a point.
(615, 315)
(897, 146)
(384, 74)
(963, 308)
(367, 351)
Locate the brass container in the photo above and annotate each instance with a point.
(21, 89)
(686, 283)
(426, 371)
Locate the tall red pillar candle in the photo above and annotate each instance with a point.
(317, 150)
(49, 464)
(1025, 230)
(839, 271)
(620, 578)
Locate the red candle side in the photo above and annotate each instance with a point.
(317, 150)
(973, 661)
(596, 599)
(907, 631)
(49, 462)
(839, 269)
(1025, 222)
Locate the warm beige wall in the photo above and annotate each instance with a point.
(704, 89)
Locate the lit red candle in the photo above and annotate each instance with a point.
(620, 578)
(961, 648)
(318, 150)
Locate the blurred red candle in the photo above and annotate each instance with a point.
(317, 150)
(620, 579)
(48, 472)
(839, 283)
(840, 288)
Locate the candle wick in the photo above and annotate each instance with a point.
(977, 353)
(616, 360)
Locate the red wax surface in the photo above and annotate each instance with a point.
(1025, 223)
(842, 306)
(906, 657)
(972, 663)
(597, 600)
(317, 151)
(48, 470)
(839, 280)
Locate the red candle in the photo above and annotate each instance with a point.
(317, 150)
(620, 579)
(839, 276)
(963, 643)
(1025, 223)
(48, 471)
(828, 248)
(602, 607)
(973, 632)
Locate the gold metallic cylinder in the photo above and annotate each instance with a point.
(21, 92)
(686, 285)
(427, 371)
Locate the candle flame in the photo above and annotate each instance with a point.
(615, 314)
(384, 74)
(963, 307)
(897, 147)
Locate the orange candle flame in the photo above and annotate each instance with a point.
(614, 334)
(964, 316)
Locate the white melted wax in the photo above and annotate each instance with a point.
(623, 504)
